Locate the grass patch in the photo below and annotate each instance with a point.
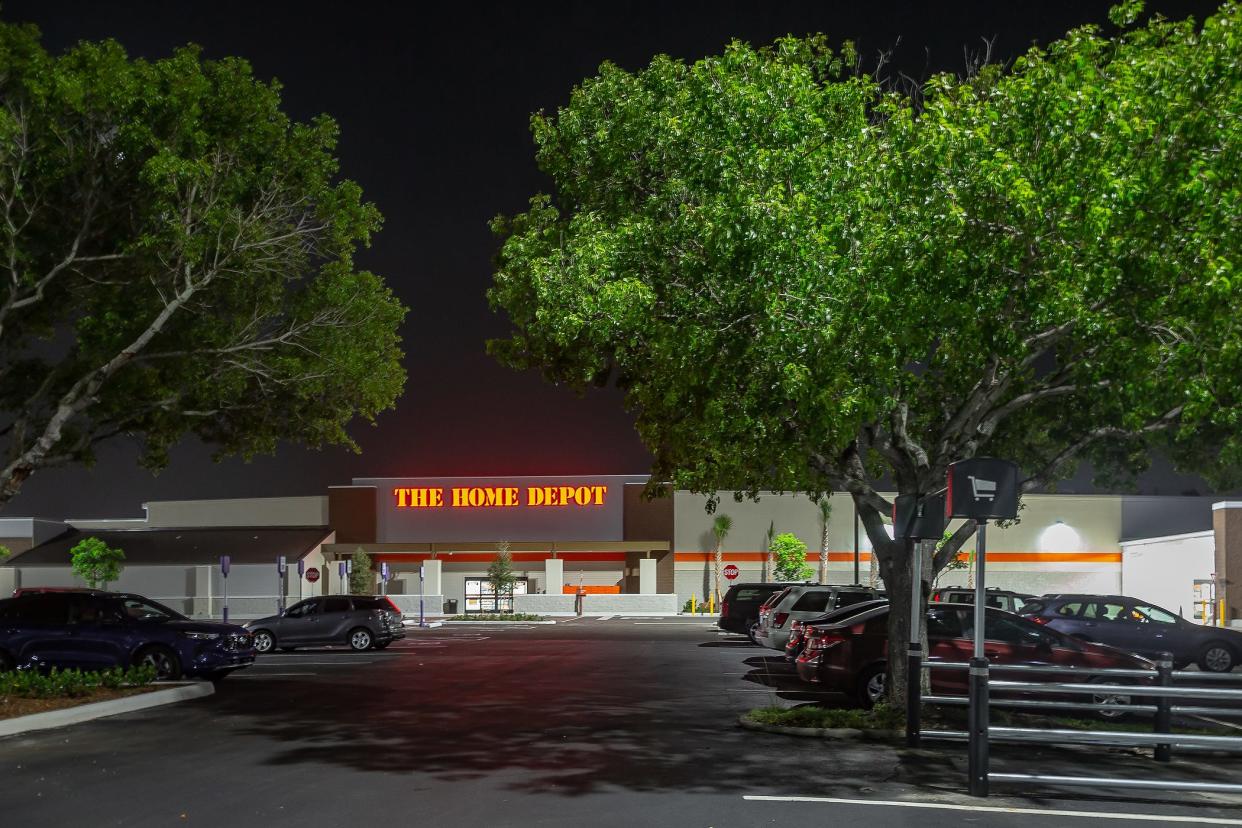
(880, 717)
(510, 616)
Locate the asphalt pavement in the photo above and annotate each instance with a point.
(623, 722)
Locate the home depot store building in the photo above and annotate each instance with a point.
(632, 555)
(600, 534)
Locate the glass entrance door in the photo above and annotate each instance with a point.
(481, 596)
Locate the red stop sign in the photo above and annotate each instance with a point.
(731, 572)
(312, 574)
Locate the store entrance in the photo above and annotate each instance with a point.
(481, 596)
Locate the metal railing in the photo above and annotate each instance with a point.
(1162, 692)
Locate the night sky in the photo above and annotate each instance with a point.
(433, 108)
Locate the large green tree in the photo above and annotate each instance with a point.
(804, 280)
(176, 257)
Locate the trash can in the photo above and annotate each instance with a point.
(450, 606)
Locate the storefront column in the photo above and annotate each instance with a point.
(10, 579)
(554, 575)
(201, 603)
(1227, 523)
(647, 576)
(431, 579)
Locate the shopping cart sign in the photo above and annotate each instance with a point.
(982, 488)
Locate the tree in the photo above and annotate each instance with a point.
(500, 573)
(176, 258)
(806, 281)
(95, 562)
(721, 526)
(769, 567)
(789, 553)
(361, 573)
(825, 513)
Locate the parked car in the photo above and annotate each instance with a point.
(1138, 627)
(361, 622)
(797, 629)
(1004, 599)
(90, 630)
(850, 656)
(802, 603)
(739, 608)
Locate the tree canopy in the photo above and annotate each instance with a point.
(95, 562)
(176, 257)
(807, 280)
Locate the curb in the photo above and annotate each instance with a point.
(834, 733)
(430, 625)
(111, 707)
(493, 623)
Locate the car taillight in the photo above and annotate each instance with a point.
(724, 609)
(779, 619)
(1038, 619)
(395, 608)
(936, 597)
(822, 640)
(795, 626)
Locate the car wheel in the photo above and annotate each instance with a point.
(872, 686)
(264, 641)
(1217, 657)
(360, 638)
(750, 633)
(163, 660)
(1120, 699)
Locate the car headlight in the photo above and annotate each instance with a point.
(202, 636)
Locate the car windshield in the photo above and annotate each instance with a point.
(144, 609)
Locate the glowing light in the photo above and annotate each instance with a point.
(1060, 537)
(474, 497)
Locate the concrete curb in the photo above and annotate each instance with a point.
(832, 733)
(493, 623)
(430, 625)
(111, 707)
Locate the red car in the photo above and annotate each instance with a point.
(850, 656)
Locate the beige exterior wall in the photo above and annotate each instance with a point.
(1035, 554)
(263, 511)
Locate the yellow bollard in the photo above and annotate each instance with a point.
(694, 607)
(711, 604)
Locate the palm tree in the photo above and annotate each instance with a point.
(825, 512)
(767, 543)
(720, 528)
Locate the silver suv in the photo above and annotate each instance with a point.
(803, 603)
(361, 622)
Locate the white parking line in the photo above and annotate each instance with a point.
(297, 663)
(1000, 809)
(269, 675)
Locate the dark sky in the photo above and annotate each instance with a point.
(433, 108)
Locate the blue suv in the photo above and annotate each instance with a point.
(92, 630)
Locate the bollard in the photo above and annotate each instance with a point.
(694, 607)
(977, 763)
(1164, 713)
(711, 604)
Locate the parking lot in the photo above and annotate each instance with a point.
(617, 722)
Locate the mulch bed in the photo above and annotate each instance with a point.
(11, 706)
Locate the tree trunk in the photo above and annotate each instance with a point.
(719, 556)
(897, 571)
(823, 557)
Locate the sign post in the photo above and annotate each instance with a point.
(225, 562)
(981, 489)
(281, 569)
(422, 620)
(312, 575)
(384, 577)
(342, 570)
(916, 520)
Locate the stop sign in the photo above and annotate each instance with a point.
(312, 574)
(731, 572)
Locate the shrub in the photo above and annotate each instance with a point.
(59, 684)
(790, 563)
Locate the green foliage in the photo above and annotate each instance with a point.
(880, 717)
(5, 552)
(789, 555)
(95, 562)
(500, 570)
(804, 281)
(361, 576)
(191, 247)
(721, 526)
(32, 684)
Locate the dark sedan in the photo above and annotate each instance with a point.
(1138, 627)
(850, 656)
(91, 630)
(361, 622)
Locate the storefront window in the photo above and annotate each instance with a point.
(481, 596)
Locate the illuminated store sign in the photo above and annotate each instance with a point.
(498, 496)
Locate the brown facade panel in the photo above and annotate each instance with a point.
(647, 519)
(1227, 525)
(352, 513)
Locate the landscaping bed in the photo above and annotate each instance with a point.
(511, 616)
(26, 692)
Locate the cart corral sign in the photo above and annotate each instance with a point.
(982, 488)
